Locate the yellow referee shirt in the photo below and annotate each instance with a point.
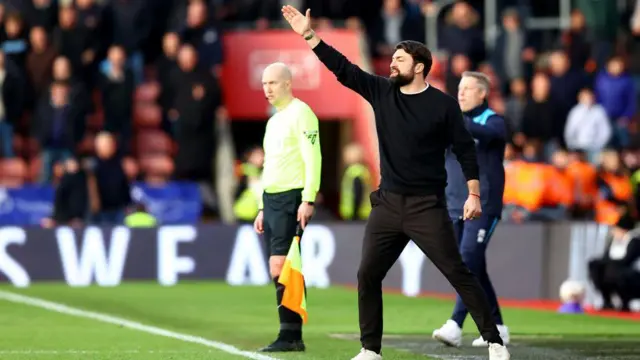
(292, 158)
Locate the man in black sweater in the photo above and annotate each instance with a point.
(416, 123)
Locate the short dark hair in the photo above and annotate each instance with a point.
(419, 53)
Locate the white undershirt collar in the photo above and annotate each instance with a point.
(417, 92)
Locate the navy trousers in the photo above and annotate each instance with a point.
(473, 239)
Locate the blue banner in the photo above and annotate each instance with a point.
(172, 203)
(27, 205)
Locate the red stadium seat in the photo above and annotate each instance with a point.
(147, 116)
(87, 145)
(19, 145)
(131, 168)
(151, 142)
(381, 66)
(147, 92)
(157, 169)
(95, 121)
(32, 148)
(34, 168)
(13, 172)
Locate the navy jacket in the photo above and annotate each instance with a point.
(490, 134)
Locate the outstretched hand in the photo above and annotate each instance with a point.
(301, 24)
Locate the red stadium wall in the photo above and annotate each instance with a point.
(247, 53)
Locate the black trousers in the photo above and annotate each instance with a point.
(610, 277)
(394, 220)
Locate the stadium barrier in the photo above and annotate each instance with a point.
(527, 261)
(171, 203)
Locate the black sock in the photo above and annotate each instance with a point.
(290, 322)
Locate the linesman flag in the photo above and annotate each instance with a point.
(294, 297)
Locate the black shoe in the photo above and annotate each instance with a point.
(284, 346)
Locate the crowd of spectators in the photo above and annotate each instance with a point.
(78, 75)
(146, 74)
(570, 98)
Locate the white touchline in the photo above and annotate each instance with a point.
(64, 309)
(61, 352)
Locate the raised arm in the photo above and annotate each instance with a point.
(349, 74)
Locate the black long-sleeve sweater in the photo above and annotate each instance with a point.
(414, 130)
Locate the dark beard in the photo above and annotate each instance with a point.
(401, 79)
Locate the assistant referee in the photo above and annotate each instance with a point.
(290, 181)
(415, 123)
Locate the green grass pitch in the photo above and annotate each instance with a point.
(232, 322)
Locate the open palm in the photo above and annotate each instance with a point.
(299, 23)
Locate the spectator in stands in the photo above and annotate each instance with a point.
(576, 43)
(78, 93)
(393, 24)
(515, 104)
(540, 114)
(91, 17)
(459, 64)
(16, 44)
(462, 35)
(588, 127)
(42, 13)
(603, 21)
(131, 26)
(200, 31)
(11, 100)
(513, 54)
(525, 184)
(356, 185)
(76, 43)
(166, 68)
(614, 189)
(634, 46)
(616, 91)
(109, 189)
(140, 217)
(197, 97)
(116, 88)
(617, 271)
(40, 63)
(248, 192)
(584, 177)
(566, 83)
(58, 127)
(71, 200)
(559, 194)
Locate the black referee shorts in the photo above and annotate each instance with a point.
(280, 213)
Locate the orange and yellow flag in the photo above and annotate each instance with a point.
(294, 297)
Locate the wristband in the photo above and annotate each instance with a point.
(476, 195)
(310, 36)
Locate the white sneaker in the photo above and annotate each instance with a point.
(504, 334)
(449, 334)
(498, 352)
(367, 355)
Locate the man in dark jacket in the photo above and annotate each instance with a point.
(618, 270)
(490, 134)
(71, 201)
(117, 89)
(59, 127)
(109, 189)
(197, 96)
